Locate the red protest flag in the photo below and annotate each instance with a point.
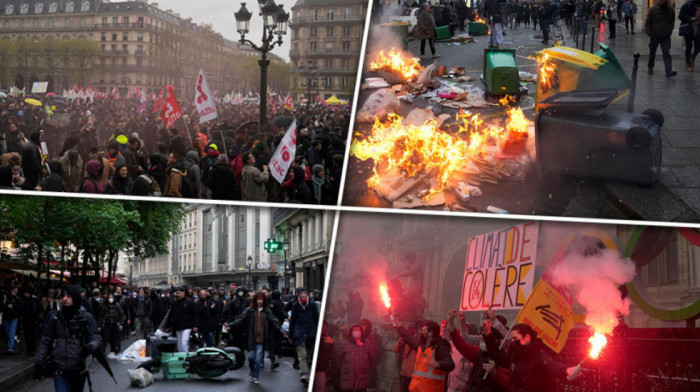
(159, 101)
(171, 110)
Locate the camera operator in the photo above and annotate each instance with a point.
(70, 335)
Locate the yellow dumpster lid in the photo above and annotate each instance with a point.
(576, 57)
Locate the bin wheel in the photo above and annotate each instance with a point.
(656, 116)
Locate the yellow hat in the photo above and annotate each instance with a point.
(214, 147)
(122, 139)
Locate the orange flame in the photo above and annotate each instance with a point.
(426, 150)
(143, 352)
(546, 74)
(385, 295)
(396, 60)
(479, 19)
(598, 341)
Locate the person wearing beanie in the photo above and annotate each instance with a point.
(302, 329)
(321, 186)
(71, 334)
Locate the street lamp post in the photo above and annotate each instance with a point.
(274, 22)
(249, 278)
(309, 72)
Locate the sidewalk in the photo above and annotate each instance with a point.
(14, 368)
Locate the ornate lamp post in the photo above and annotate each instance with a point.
(249, 278)
(274, 22)
(308, 72)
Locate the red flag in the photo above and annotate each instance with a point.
(159, 101)
(171, 110)
(289, 103)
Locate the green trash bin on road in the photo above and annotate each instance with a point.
(442, 33)
(500, 72)
(478, 28)
(398, 29)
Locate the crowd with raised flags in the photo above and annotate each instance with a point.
(155, 143)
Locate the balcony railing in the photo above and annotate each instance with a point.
(112, 26)
(326, 19)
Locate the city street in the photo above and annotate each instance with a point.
(673, 198)
(284, 378)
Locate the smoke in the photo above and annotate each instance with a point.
(594, 273)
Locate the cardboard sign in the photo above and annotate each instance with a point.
(39, 87)
(499, 270)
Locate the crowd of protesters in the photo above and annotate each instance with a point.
(454, 355)
(197, 316)
(107, 146)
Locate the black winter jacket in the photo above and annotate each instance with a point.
(66, 343)
(182, 314)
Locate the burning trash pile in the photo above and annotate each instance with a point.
(417, 151)
(396, 63)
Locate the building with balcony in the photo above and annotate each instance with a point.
(307, 234)
(328, 33)
(140, 45)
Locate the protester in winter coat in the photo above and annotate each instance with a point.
(355, 360)
(142, 314)
(659, 27)
(425, 31)
(120, 183)
(406, 360)
(207, 317)
(253, 182)
(110, 324)
(259, 322)
(194, 175)
(12, 311)
(52, 181)
(182, 319)
(689, 16)
(31, 312)
(72, 169)
(221, 180)
(31, 162)
(612, 17)
(91, 183)
(71, 334)
(302, 328)
(175, 176)
(629, 9)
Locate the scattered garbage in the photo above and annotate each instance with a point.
(379, 104)
(136, 352)
(140, 377)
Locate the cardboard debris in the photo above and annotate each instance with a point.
(441, 119)
(418, 117)
(392, 77)
(393, 184)
(413, 201)
(471, 101)
(373, 83)
(458, 71)
(428, 79)
(463, 79)
(379, 104)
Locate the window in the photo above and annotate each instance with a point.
(6, 24)
(103, 50)
(329, 15)
(295, 33)
(314, 15)
(38, 8)
(126, 21)
(139, 49)
(346, 46)
(346, 65)
(125, 36)
(21, 23)
(53, 7)
(114, 36)
(346, 31)
(114, 48)
(125, 49)
(345, 82)
(139, 36)
(23, 8)
(50, 23)
(329, 31)
(83, 22)
(327, 81)
(104, 22)
(36, 23)
(103, 36)
(312, 47)
(329, 64)
(115, 21)
(347, 13)
(313, 32)
(329, 47)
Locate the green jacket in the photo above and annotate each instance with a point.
(110, 313)
(659, 22)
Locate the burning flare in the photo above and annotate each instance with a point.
(385, 296)
(424, 149)
(397, 61)
(598, 341)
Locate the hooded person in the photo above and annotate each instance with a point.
(221, 180)
(354, 359)
(157, 169)
(31, 162)
(194, 175)
(71, 334)
(72, 168)
(302, 329)
(143, 185)
(92, 183)
(299, 192)
(52, 182)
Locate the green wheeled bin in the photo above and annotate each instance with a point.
(442, 33)
(500, 72)
(398, 29)
(478, 28)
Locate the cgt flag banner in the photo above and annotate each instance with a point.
(170, 112)
(284, 154)
(499, 270)
(548, 310)
(204, 99)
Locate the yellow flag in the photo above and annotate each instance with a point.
(549, 313)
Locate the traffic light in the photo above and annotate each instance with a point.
(271, 246)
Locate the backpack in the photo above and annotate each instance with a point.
(188, 189)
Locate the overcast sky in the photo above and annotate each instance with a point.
(220, 14)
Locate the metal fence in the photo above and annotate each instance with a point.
(656, 360)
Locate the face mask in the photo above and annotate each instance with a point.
(240, 293)
(356, 334)
(111, 300)
(98, 299)
(162, 295)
